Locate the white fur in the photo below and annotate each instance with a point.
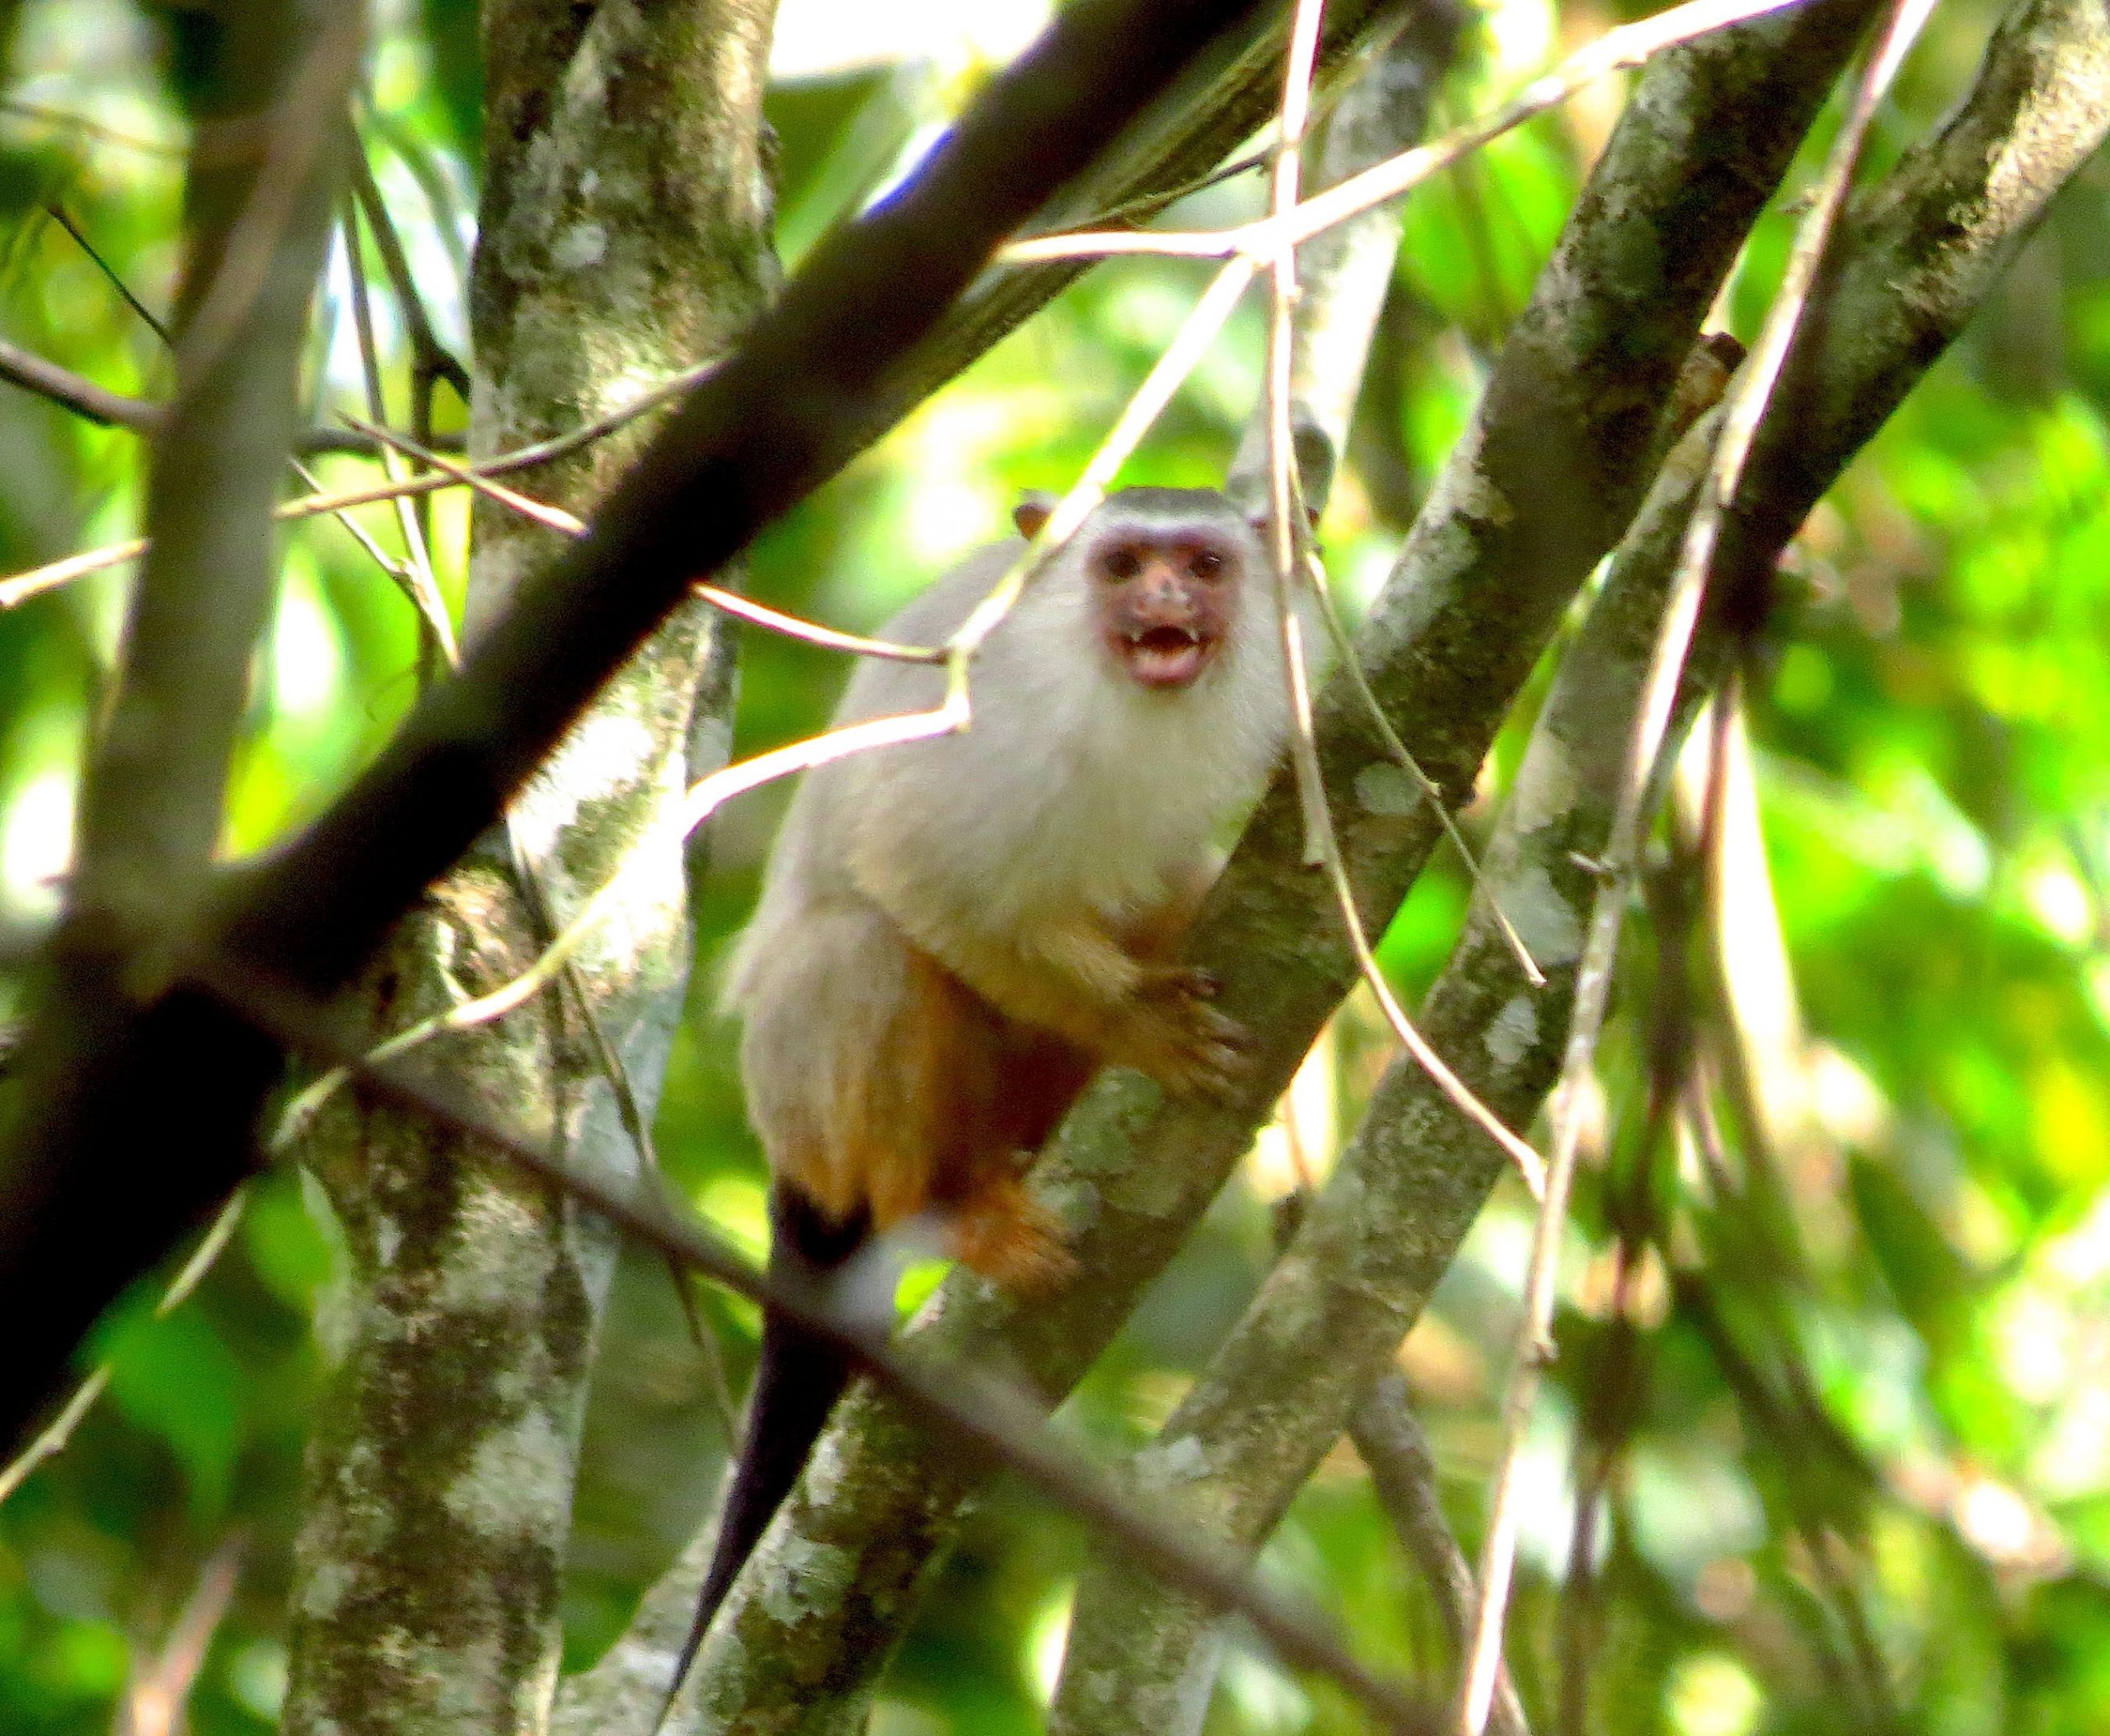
(1074, 786)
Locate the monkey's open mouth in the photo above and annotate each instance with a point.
(1166, 656)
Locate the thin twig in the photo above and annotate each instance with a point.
(1345, 655)
(70, 391)
(1617, 50)
(430, 359)
(705, 797)
(51, 1440)
(1388, 1438)
(1747, 404)
(1084, 497)
(421, 582)
(154, 1700)
(1289, 535)
(730, 603)
(50, 576)
(988, 1415)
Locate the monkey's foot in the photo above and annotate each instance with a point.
(1007, 1236)
(1182, 1041)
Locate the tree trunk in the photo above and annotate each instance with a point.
(623, 235)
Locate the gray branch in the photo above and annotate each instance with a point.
(1373, 1244)
(1563, 448)
(623, 232)
(1389, 1439)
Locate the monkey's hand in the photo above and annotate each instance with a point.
(1006, 1235)
(1171, 1029)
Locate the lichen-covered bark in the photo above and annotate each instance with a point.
(1554, 465)
(1914, 260)
(623, 236)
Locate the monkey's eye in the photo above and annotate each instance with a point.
(1206, 563)
(1121, 563)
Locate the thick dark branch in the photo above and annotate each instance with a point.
(782, 414)
(92, 1189)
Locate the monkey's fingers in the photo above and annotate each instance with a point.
(1185, 1043)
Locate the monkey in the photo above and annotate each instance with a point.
(953, 935)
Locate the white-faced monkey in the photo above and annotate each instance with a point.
(953, 935)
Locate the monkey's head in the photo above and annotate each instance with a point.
(1166, 573)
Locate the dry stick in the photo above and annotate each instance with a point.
(1321, 844)
(420, 581)
(1617, 50)
(1345, 652)
(730, 603)
(1746, 406)
(52, 1440)
(431, 361)
(1084, 496)
(1282, 450)
(154, 1700)
(54, 573)
(990, 1415)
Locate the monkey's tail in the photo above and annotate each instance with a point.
(798, 1376)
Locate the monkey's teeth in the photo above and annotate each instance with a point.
(1165, 658)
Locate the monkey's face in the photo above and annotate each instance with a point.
(1165, 603)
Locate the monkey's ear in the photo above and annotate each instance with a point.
(1262, 519)
(1031, 512)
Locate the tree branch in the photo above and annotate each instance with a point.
(793, 406)
(1372, 1244)
(438, 1502)
(108, 408)
(1564, 444)
(92, 1193)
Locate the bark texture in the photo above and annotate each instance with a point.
(623, 236)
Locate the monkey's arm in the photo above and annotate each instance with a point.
(1073, 975)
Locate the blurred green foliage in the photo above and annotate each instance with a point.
(1863, 1465)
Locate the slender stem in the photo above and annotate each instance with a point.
(1746, 406)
